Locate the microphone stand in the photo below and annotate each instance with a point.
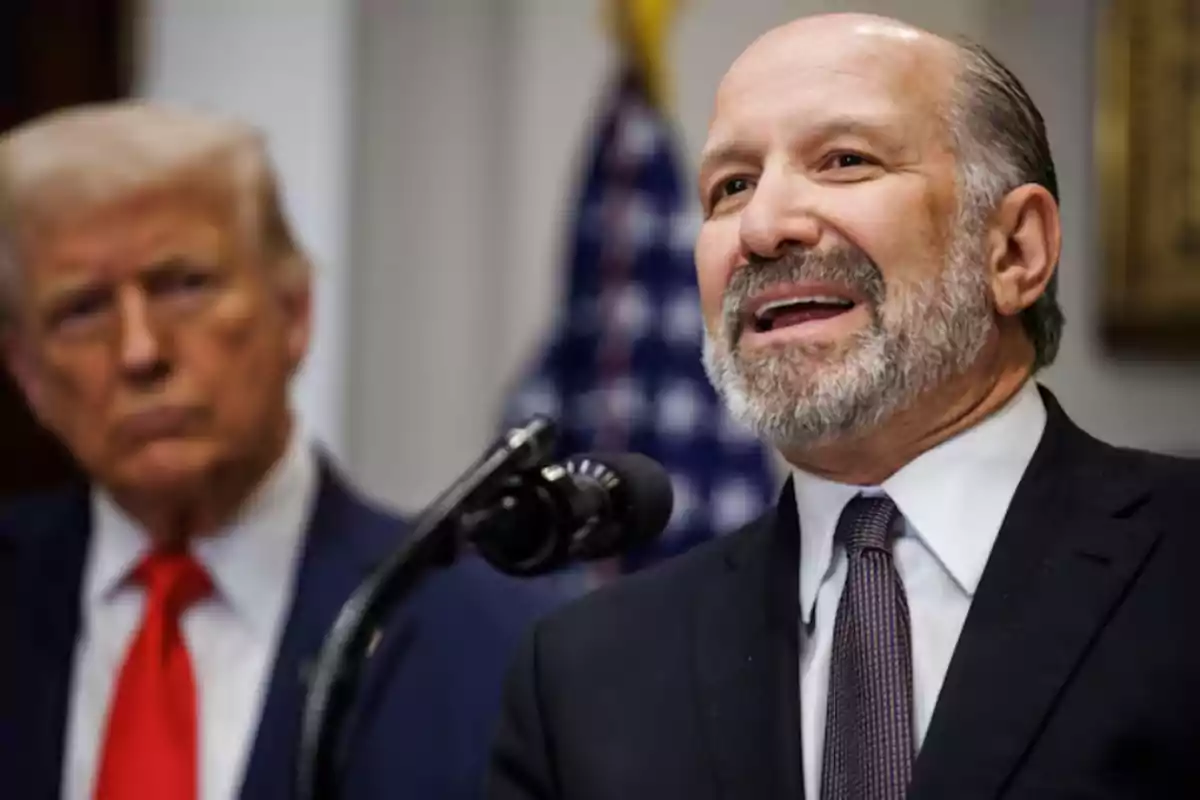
(434, 542)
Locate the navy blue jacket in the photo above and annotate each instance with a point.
(428, 702)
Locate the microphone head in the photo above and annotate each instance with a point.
(640, 501)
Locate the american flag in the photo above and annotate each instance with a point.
(622, 370)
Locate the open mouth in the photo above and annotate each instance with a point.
(786, 312)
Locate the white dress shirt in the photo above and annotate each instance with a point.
(231, 636)
(953, 499)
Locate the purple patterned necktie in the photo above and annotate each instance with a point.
(869, 747)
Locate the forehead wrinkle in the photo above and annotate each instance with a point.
(912, 98)
(127, 236)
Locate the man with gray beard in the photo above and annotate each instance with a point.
(960, 594)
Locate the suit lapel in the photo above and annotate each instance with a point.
(344, 542)
(1070, 545)
(746, 661)
(43, 579)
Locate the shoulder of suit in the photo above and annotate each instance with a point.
(28, 519)
(1174, 481)
(1163, 470)
(1128, 481)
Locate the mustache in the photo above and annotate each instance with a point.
(846, 265)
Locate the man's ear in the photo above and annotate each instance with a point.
(296, 296)
(1023, 248)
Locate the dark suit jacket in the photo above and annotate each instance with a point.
(429, 700)
(1077, 674)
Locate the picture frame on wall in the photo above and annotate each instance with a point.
(1148, 160)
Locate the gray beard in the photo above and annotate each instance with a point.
(799, 396)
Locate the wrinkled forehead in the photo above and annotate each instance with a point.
(125, 239)
(798, 79)
(186, 201)
(174, 212)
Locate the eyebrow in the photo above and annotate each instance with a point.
(833, 127)
(70, 287)
(724, 153)
(52, 302)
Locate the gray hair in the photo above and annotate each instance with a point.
(1000, 138)
(86, 157)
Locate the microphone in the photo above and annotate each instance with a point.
(590, 506)
(524, 515)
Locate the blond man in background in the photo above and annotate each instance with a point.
(158, 624)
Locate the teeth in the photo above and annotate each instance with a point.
(784, 302)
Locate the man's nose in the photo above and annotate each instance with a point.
(779, 217)
(141, 344)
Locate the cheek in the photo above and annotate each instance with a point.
(901, 223)
(79, 381)
(716, 258)
(74, 396)
(233, 355)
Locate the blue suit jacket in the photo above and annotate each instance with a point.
(427, 705)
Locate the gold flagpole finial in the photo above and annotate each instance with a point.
(640, 28)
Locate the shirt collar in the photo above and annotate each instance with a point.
(251, 561)
(953, 497)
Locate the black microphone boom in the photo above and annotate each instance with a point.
(432, 542)
(524, 516)
(588, 507)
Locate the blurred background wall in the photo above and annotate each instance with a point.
(428, 149)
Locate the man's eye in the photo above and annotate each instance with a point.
(80, 308)
(848, 161)
(193, 280)
(728, 188)
(179, 282)
(733, 186)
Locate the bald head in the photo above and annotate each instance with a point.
(811, 51)
(70, 163)
(829, 34)
(853, 24)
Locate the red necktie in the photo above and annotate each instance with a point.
(150, 748)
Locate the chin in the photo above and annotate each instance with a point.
(168, 466)
(812, 352)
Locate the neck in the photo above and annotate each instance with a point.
(174, 517)
(869, 458)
